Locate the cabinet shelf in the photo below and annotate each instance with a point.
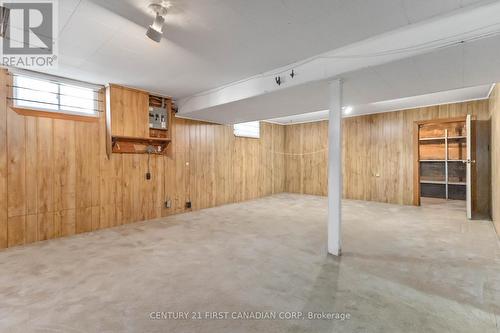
(441, 182)
(438, 182)
(433, 139)
(441, 138)
(442, 161)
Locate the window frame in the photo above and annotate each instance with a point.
(60, 112)
(257, 136)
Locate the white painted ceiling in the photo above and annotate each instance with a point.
(443, 97)
(464, 66)
(209, 43)
(371, 71)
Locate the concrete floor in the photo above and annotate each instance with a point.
(403, 269)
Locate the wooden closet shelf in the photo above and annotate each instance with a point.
(443, 138)
(441, 182)
(438, 182)
(432, 139)
(442, 161)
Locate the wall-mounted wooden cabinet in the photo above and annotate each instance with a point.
(129, 111)
(130, 125)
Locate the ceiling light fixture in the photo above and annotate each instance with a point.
(155, 30)
(347, 109)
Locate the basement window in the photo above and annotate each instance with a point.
(55, 95)
(247, 130)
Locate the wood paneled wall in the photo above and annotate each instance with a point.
(377, 153)
(55, 178)
(495, 156)
(306, 158)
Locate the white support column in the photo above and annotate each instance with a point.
(335, 168)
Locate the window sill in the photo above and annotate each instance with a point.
(54, 115)
(246, 137)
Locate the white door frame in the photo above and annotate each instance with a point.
(468, 164)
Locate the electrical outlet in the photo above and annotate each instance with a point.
(168, 204)
(148, 176)
(188, 205)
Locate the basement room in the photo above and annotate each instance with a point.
(250, 166)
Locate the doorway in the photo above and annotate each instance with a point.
(445, 156)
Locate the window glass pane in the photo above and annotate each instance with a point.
(89, 111)
(33, 93)
(36, 105)
(77, 91)
(249, 130)
(35, 84)
(78, 99)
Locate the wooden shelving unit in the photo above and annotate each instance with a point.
(128, 122)
(441, 149)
